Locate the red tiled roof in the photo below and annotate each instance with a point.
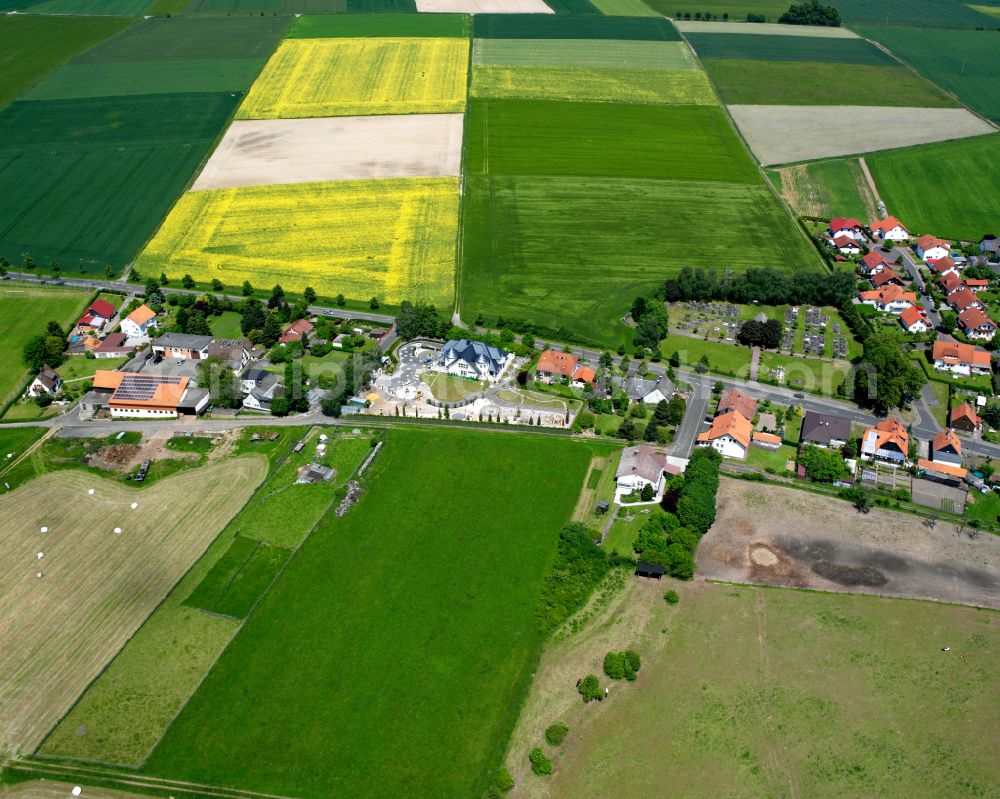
(951, 352)
(941, 468)
(890, 293)
(887, 224)
(911, 316)
(735, 400)
(844, 241)
(585, 374)
(962, 299)
(102, 308)
(947, 438)
(840, 223)
(552, 362)
(941, 265)
(979, 283)
(731, 423)
(973, 319)
(964, 411)
(950, 282)
(927, 241)
(889, 431)
(887, 275)
(873, 260)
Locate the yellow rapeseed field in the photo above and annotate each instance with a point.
(391, 239)
(360, 77)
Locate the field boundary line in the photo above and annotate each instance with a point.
(47, 435)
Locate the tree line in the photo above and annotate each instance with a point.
(764, 286)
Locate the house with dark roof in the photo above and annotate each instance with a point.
(873, 262)
(474, 360)
(641, 466)
(990, 245)
(235, 352)
(46, 383)
(113, 346)
(824, 430)
(182, 345)
(885, 276)
(945, 447)
(263, 394)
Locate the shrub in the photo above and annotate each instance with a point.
(632, 658)
(540, 764)
(580, 565)
(556, 734)
(504, 781)
(614, 665)
(671, 597)
(590, 688)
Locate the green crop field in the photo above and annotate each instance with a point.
(624, 8)
(778, 692)
(406, 631)
(736, 9)
(32, 46)
(546, 26)
(574, 252)
(555, 138)
(271, 7)
(589, 53)
(745, 82)
(576, 7)
(964, 62)
(926, 13)
(24, 312)
(965, 203)
(656, 86)
(124, 8)
(826, 189)
(787, 48)
(391, 25)
(87, 182)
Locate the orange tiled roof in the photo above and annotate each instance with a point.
(735, 400)
(942, 468)
(732, 423)
(141, 315)
(552, 362)
(887, 224)
(927, 241)
(964, 411)
(889, 431)
(952, 352)
(973, 319)
(947, 438)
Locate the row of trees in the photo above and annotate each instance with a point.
(45, 349)
(765, 286)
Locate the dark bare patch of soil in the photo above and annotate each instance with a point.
(846, 574)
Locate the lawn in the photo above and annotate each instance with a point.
(24, 312)
(239, 578)
(827, 189)
(787, 48)
(14, 441)
(358, 76)
(964, 62)
(775, 459)
(775, 691)
(983, 507)
(393, 238)
(32, 46)
(531, 137)
(77, 367)
(86, 182)
(394, 25)
(673, 87)
(966, 204)
(574, 252)
(369, 693)
(446, 388)
(807, 374)
(55, 647)
(746, 82)
(589, 53)
(722, 358)
(546, 26)
(623, 532)
(938, 14)
(226, 325)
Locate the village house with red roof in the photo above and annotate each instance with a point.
(889, 229)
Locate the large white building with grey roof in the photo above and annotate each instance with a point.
(472, 359)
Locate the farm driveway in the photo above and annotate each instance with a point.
(784, 134)
(263, 152)
(771, 535)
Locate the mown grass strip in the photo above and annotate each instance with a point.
(545, 26)
(393, 25)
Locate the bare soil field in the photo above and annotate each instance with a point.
(483, 7)
(82, 571)
(766, 30)
(783, 134)
(770, 535)
(265, 152)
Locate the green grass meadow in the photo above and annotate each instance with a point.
(589, 53)
(964, 62)
(30, 46)
(239, 578)
(965, 204)
(826, 189)
(86, 182)
(24, 312)
(405, 630)
(752, 82)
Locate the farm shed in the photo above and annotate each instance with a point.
(649, 570)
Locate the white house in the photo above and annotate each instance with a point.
(138, 323)
(849, 227)
(251, 378)
(730, 434)
(641, 466)
(46, 382)
(931, 248)
(663, 390)
(960, 358)
(472, 359)
(975, 324)
(891, 299)
(263, 394)
(889, 229)
(914, 321)
(845, 245)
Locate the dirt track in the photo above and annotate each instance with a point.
(266, 152)
(782, 536)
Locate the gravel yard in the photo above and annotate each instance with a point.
(771, 535)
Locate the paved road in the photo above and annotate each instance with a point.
(690, 426)
(906, 258)
(117, 285)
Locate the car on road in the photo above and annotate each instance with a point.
(800, 395)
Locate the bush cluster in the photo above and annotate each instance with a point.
(590, 688)
(622, 665)
(671, 597)
(556, 734)
(540, 764)
(580, 565)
